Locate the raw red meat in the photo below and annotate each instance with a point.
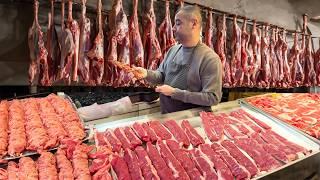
(52, 46)
(38, 68)
(148, 170)
(220, 48)
(73, 26)
(204, 166)
(317, 64)
(177, 132)
(13, 171)
(274, 63)
(125, 142)
(28, 169)
(151, 44)
(214, 130)
(4, 131)
(46, 165)
(208, 31)
(96, 54)
(279, 56)
(136, 47)
(80, 162)
(236, 70)
(265, 59)
(141, 132)
(297, 74)
(17, 133)
(159, 164)
(113, 140)
(310, 74)
(240, 157)
(246, 55)
(238, 171)
(176, 168)
(221, 168)
(64, 166)
(153, 136)
(255, 43)
(67, 46)
(184, 159)
(286, 66)
(257, 121)
(160, 130)
(134, 140)
(120, 167)
(166, 39)
(101, 140)
(192, 134)
(133, 164)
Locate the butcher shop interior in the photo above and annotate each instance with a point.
(159, 89)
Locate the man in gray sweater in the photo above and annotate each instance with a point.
(190, 75)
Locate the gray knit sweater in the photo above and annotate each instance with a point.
(204, 77)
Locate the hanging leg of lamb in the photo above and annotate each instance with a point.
(97, 52)
(310, 74)
(286, 67)
(317, 64)
(255, 67)
(265, 59)
(38, 69)
(279, 58)
(52, 46)
(150, 42)
(274, 63)
(220, 48)
(84, 46)
(297, 74)
(67, 50)
(208, 30)
(246, 54)
(166, 38)
(236, 70)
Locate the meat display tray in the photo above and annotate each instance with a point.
(287, 132)
(88, 129)
(244, 103)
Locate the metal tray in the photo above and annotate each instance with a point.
(244, 103)
(88, 129)
(287, 132)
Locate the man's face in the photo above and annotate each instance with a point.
(183, 27)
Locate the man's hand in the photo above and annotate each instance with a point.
(141, 72)
(165, 89)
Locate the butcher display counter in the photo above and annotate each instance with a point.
(274, 150)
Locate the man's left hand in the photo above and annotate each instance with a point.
(165, 89)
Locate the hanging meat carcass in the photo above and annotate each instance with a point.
(265, 59)
(274, 63)
(220, 48)
(38, 68)
(279, 58)
(310, 74)
(52, 46)
(208, 30)
(97, 52)
(84, 46)
(236, 70)
(118, 57)
(67, 50)
(246, 55)
(255, 65)
(297, 74)
(317, 64)
(286, 67)
(75, 30)
(166, 38)
(150, 42)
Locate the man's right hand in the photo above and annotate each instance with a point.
(142, 73)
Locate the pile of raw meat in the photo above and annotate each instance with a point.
(73, 160)
(300, 110)
(37, 124)
(234, 146)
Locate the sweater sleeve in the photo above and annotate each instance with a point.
(211, 81)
